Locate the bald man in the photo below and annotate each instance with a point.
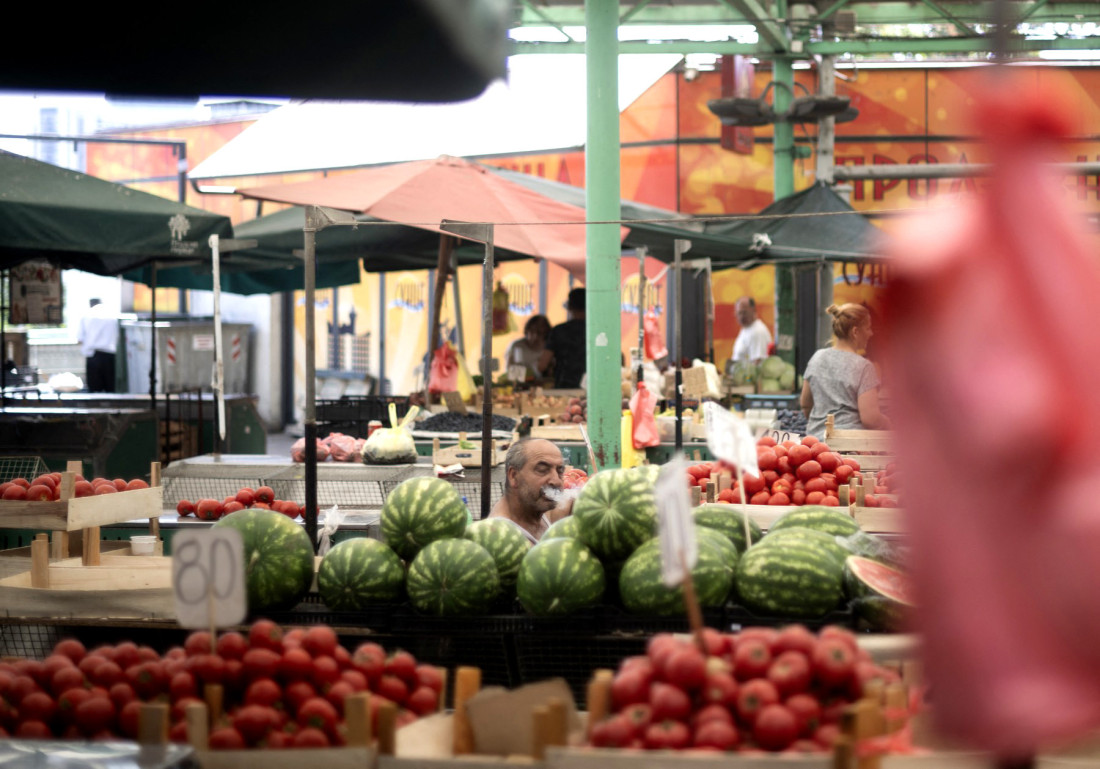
(533, 468)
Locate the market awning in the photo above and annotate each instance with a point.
(90, 224)
(813, 225)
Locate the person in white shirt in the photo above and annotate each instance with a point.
(535, 473)
(754, 339)
(98, 337)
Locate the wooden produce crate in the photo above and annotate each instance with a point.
(108, 580)
(467, 457)
(543, 428)
(75, 513)
(857, 441)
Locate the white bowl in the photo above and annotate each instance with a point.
(143, 545)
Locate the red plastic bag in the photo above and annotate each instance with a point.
(655, 348)
(444, 374)
(993, 357)
(643, 410)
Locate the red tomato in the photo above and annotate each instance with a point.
(325, 673)
(198, 642)
(71, 648)
(807, 711)
(37, 706)
(721, 735)
(753, 484)
(826, 735)
(68, 702)
(809, 441)
(798, 455)
(260, 663)
(834, 662)
(430, 676)
(33, 730)
(667, 735)
(639, 716)
(629, 687)
(265, 634)
(393, 688)
(129, 716)
(760, 498)
(795, 638)
(717, 644)
(818, 449)
(297, 693)
(784, 467)
(263, 691)
(253, 722)
(780, 452)
(843, 473)
(809, 470)
(815, 498)
(781, 486)
(370, 660)
(614, 732)
(94, 715)
(226, 738)
(765, 634)
(311, 738)
(337, 692)
(265, 494)
(755, 695)
(231, 645)
(852, 463)
(358, 681)
(403, 665)
(775, 728)
(765, 440)
(65, 679)
(767, 460)
(207, 509)
(686, 668)
(720, 688)
(122, 694)
(669, 702)
(423, 700)
(830, 501)
(182, 685)
(317, 713)
(770, 477)
(791, 673)
(209, 668)
(711, 712)
(798, 497)
(751, 659)
(779, 499)
(843, 634)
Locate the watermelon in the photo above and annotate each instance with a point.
(876, 548)
(419, 511)
(566, 528)
(790, 577)
(827, 542)
(729, 521)
(278, 557)
(359, 573)
(559, 576)
(450, 577)
(505, 542)
(616, 511)
(831, 520)
(880, 595)
(643, 592)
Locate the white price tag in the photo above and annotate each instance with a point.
(676, 527)
(730, 438)
(208, 578)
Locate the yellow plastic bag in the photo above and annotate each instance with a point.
(631, 456)
(464, 383)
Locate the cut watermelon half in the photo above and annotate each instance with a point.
(880, 595)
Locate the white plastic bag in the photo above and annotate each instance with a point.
(392, 445)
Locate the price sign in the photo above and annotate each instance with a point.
(679, 550)
(783, 435)
(729, 438)
(454, 402)
(208, 578)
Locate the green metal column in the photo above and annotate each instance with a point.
(601, 169)
(784, 186)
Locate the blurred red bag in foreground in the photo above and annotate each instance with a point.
(994, 359)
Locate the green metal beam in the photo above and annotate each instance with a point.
(946, 14)
(634, 10)
(769, 31)
(546, 19)
(868, 14)
(955, 45)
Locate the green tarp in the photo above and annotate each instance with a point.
(809, 226)
(81, 222)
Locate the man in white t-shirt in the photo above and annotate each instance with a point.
(98, 337)
(535, 474)
(754, 339)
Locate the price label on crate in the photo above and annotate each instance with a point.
(784, 435)
(208, 578)
(676, 527)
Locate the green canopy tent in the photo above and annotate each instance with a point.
(813, 225)
(81, 222)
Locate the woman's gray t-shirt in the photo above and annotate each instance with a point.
(837, 378)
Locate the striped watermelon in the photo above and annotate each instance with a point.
(831, 520)
(643, 592)
(278, 558)
(882, 597)
(452, 577)
(791, 578)
(359, 573)
(827, 542)
(505, 543)
(729, 521)
(559, 576)
(419, 511)
(616, 511)
(566, 528)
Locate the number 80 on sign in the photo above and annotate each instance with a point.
(208, 578)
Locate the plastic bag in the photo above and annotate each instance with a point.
(643, 410)
(392, 445)
(298, 450)
(464, 383)
(444, 374)
(503, 322)
(332, 521)
(631, 456)
(991, 316)
(655, 348)
(341, 447)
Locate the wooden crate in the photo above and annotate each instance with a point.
(74, 513)
(178, 440)
(856, 441)
(467, 457)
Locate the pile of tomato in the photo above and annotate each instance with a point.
(281, 689)
(47, 487)
(575, 478)
(760, 689)
(805, 473)
(262, 498)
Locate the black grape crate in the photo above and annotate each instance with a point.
(357, 409)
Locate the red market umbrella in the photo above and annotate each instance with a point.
(424, 192)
